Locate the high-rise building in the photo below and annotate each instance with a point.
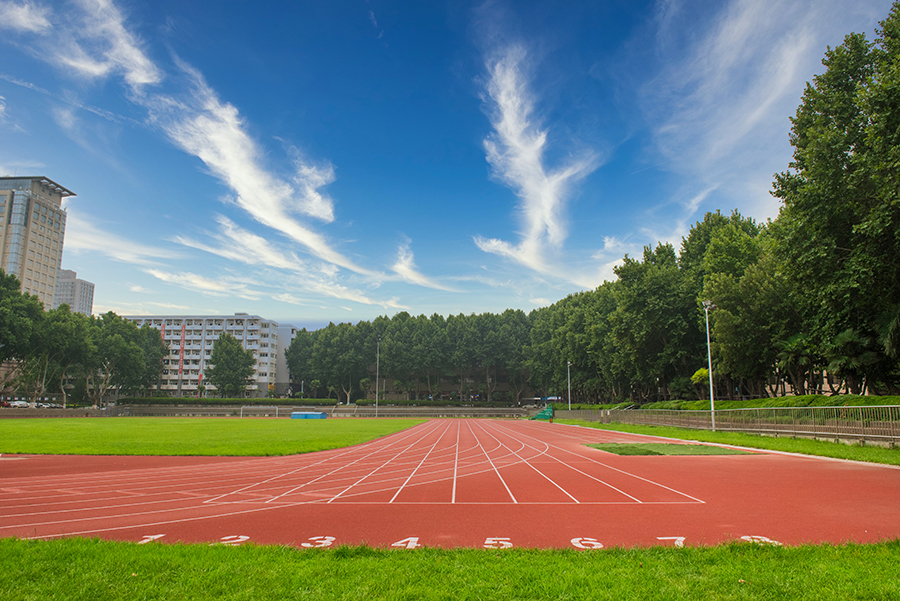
(32, 232)
(190, 339)
(78, 294)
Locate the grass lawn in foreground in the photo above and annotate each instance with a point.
(804, 446)
(99, 571)
(189, 436)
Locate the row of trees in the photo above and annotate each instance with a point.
(60, 352)
(809, 302)
(42, 351)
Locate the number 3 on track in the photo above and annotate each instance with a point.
(319, 541)
(408, 543)
(586, 543)
(493, 542)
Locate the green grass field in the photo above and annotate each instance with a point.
(189, 436)
(662, 448)
(99, 571)
(804, 446)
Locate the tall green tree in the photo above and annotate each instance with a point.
(20, 317)
(231, 367)
(116, 356)
(839, 227)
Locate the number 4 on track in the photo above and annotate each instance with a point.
(408, 543)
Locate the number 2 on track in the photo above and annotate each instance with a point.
(408, 543)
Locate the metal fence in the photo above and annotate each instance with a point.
(878, 425)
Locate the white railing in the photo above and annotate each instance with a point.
(879, 424)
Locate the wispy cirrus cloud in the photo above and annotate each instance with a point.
(516, 152)
(213, 131)
(292, 274)
(727, 81)
(85, 235)
(228, 286)
(99, 44)
(405, 267)
(24, 16)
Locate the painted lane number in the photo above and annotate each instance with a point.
(150, 537)
(318, 541)
(493, 542)
(586, 543)
(234, 540)
(761, 540)
(679, 540)
(408, 543)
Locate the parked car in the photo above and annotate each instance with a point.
(19, 404)
(5, 404)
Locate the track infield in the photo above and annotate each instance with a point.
(455, 483)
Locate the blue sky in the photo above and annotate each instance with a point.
(334, 161)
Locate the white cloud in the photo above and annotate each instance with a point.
(515, 151)
(405, 267)
(26, 16)
(102, 45)
(292, 274)
(729, 79)
(83, 235)
(206, 285)
(214, 132)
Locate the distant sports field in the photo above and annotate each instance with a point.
(189, 436)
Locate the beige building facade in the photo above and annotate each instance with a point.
(32, 232)
(75, 292)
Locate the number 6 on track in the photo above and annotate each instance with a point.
(497, 543)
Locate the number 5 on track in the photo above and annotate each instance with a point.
(497, 543)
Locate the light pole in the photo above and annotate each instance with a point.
(707, 305)
(569, 381)
(377, 372)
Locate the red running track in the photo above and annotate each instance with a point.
(454, 483)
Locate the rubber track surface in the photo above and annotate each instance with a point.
(452, 483)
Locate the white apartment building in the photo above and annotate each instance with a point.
(77, 293)
(286, 335)
(190, 339)
(32, 232)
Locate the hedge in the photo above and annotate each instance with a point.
(210, 401)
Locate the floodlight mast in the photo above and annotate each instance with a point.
(707, 305)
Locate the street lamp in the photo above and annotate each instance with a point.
(377, 372)
(569, 380)
(707, 305)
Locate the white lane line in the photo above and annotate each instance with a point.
(413, 473)
(406, 434)
(496, 471)
(604, 483)
(545, 476)
(377, 469)
(615, 469)
(456, 463)
(346, 466)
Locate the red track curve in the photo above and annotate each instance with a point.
(452, 483)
